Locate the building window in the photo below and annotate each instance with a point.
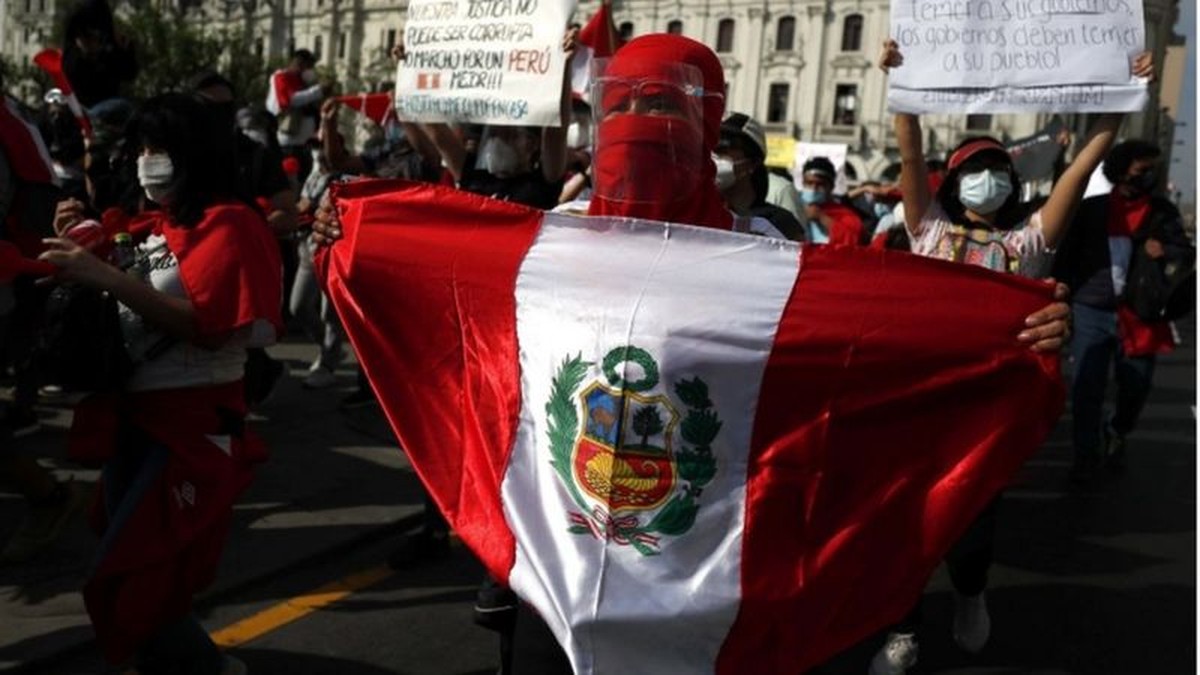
(391, 40)
(258, 47)
(777, 103)
(342, 45)
(626, 30)
(852, 33)
(785, 34)
(42, 6)
(675, 27)
(291, 46)
(979, 122)
(725, 36)
(317, 44)
(28, 6)
(845, 105)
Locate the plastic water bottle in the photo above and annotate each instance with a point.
(124, 255)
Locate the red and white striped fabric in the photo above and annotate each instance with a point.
(690, 450)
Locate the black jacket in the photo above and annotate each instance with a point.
(1083, 261)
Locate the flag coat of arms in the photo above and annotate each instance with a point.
(689, 450)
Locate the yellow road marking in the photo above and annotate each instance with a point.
(297, 608)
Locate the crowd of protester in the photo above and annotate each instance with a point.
(185, 225)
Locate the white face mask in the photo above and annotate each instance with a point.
(726, 172)
(309, 77)
(155, 173)
(984, 192)
(497, 157)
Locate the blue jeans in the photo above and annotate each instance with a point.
(1094, 348)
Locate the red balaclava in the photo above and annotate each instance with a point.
(636, 174)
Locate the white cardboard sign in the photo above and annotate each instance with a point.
(989, 56)
(483, 61)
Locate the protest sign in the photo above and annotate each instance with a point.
(483, 61)
(834, 152)
(990, 56)
(781, 151)
(1034, 156)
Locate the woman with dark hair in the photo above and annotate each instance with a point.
(202, 288)
(977, 217)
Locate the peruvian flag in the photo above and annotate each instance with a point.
(690, 450)
(375, 107)
(50, 61)
(598, 39)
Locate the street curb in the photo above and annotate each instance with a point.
(215, 596)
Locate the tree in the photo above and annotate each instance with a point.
(173, 45)
(647, 422)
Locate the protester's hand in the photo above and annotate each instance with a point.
(570, 42)
(67, 214)
(891, 56)
(77, 264)
(326, 226)
(398, 54)
(1154, 249)
(329, 112)
(1049, 329)
(1143, 66)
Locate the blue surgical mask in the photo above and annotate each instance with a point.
(881, 209)
(984, 192)
(809, 196)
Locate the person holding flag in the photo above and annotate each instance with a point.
(659, 106)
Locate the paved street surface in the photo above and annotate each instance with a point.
(1088, 581)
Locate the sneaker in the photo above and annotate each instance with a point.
(421, 546)
(1114, 451)
(896, 656)
(44, 524)
(359, 398)
(233, 666)
(320, 378)
(972, 625)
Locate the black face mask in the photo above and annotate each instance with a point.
(1142, 183)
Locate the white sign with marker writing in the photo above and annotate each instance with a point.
(989, 56)
(483, 61)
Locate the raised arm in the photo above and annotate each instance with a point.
(914, 183)
(554, 139)
(333, 145)
(449, 146)
(1068, 191)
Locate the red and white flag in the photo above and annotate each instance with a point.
(690, 450)
(50, 61)
(597, 40)
(375, 107)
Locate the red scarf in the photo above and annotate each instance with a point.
(1125, 216)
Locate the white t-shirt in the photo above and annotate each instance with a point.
(1021, 250)
(162, 362)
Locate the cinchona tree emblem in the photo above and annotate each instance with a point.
(632, 463)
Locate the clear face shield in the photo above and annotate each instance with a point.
(648, 126)
(507, 150)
